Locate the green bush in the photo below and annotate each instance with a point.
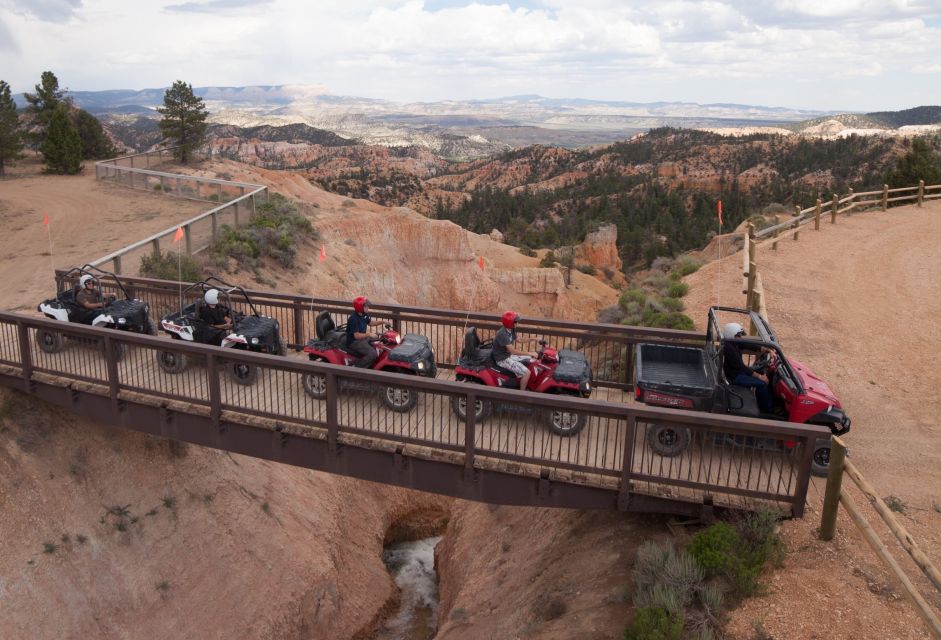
(655, 624)
(548, 261)
(526, 251)
(171, 266)
(677, 289)
(685, 265)
(672, 304)
(587, 268)
(632, 295)
(714, 548)
(669, 320)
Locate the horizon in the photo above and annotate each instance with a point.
(782, 54)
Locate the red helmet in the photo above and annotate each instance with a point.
(359, 304)
(509, 319)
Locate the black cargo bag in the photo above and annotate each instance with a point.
(414, 348)
(573, 367)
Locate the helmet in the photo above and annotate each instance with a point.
(212, 296)
(85, 279)
(732, 330)
(509, 319)
(359, 304)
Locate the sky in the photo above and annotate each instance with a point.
(841, 55)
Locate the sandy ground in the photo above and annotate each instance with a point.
(87, 220)
(857, 302)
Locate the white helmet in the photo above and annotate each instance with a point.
(732, 330)
(85, 280)
(212, 296)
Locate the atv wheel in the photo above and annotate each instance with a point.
(400, 399)
(242, 373)
(315, 384)
(821, 460)
(150, 328)
(171, 362)
(282, 348)
(482, 408)
(667, 440)
(565, 423)
(49, 341)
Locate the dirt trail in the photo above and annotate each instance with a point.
(87, 220)
(858, 302)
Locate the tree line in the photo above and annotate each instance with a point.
(65, 134)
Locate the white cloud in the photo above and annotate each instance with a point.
(805, 53)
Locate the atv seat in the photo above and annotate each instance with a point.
(496, 367)
(740, 401)
(475, 354)
(328, 331)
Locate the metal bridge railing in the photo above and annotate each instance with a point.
(730, 461)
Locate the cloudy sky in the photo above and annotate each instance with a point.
(815, 54)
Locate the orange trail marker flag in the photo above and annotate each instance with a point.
(178, 235)
(323, 253)
(480, 263)
(720, 213)
(45, 220)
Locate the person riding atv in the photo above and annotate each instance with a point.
(84, 303)
(210, 319)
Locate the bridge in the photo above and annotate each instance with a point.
(509, 458)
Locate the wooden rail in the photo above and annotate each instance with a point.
(835, 495)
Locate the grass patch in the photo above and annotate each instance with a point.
(587, 269)
(81, 539)
(684, 266)
(49, 547)
(163, 586)
(526, 251)
(654, 623)
(169, 502)
(166, 265)
(677, 289)
(895, 504)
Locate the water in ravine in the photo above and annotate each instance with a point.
(412, 565)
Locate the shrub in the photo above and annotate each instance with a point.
(587, 269)
(669, 320)
(655, 624)
(548, 261)
(169, 266)
(632, 295)
(714, 547)
(677, 289)
(671, 304)
(686, 265)
(526, 251)
(657, 281)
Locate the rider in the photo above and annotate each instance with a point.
(88, 296)
(218, 317)
(738, 373)
(358, 336)
(508, 356)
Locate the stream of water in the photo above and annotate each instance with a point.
(412, 565)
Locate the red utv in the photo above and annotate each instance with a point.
(562, 372)
(411, 355)
(692, 378)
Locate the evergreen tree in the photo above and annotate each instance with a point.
(11, 135)
(43, 103)
(184, 119)
(921, 163)
(62, 148)
(95, 144)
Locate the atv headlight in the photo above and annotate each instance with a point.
(398, 339)
(421, 366)
(122, 320)
(254, 340)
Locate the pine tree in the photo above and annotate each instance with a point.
(43, 103)
(95, 144)
(11, 135)
(62, 148)
(921, 163)
(184, 119)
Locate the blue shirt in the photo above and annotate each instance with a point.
(358, 323)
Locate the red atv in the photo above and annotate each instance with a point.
(411, 355)
(562, 372)
(692, 378)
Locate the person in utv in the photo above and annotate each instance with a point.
(738, 373)
(358, 337)
(218, 317)
(89, 298)
(508, 356)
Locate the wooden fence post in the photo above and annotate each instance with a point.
(817, 214)
(921, 192)
(189, 239)
(797, 220)
(156, 245)
(750, 291)
(831, 499)
(885, 197)
(836, 206)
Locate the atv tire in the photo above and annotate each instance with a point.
(171, 362)
(820, 466)
(565, 423)
(668, 440)
(241, 373)
(483, 408)
(49, 341)
(282, 348)
(315, 384)
(400, 399)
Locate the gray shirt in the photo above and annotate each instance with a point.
(501, 341)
